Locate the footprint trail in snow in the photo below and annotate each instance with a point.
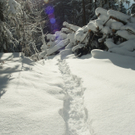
(74, 111)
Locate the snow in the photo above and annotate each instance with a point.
(64, 94)
(60, 45)
(116, 25)
(77, 46)
(67, 95)
(14, 7)
(103, 17)
(109, 23)
(70, 36)
(74, 27)
(109, 94)
(118, 15)
(32, 97)
(51, 37)
(126, 48)
(92, 26)
(129, 26)
(100, 10)
(60, 35)
(50, 44)
(79, 35)
(65, 30)
(125, 34)
(109, 43)
(106, 30)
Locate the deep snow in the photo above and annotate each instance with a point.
(66, 95)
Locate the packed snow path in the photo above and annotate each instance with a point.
(74, 112)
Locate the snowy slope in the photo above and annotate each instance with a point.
(66, 95)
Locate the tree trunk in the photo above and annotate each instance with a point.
(84, 15)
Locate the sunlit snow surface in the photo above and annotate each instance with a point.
(110, 91)
(32, 99)
(65, 95)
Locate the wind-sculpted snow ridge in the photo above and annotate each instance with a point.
(74, 111)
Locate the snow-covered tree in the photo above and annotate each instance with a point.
(121, 7)
(34, 24)
(21, 26)
(9, 23)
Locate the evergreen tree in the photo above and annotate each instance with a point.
(121, 7)
(21, 25)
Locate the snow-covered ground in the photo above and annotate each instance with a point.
(66, 95)
(31, 96)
